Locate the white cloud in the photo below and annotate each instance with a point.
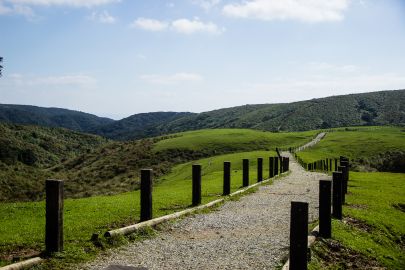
(184, 26)
(16, 9)
(72, 3)
(206, 4)
(172, 79)
(150, 24)
(301, 10)
(80, 80)
(102, 17)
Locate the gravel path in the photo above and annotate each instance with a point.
(252, 233)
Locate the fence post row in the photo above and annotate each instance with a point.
(325, 222)
(196, 171)
(298, 236)
(259, 169)
(227, 178)
(146, 194)
(245, 172)
(337, 195)
(271, 167)
(54, 216)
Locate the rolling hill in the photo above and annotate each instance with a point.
(367, 109)
(50, 117)
(92, 165)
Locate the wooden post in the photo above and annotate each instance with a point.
(276, 166)
(298, 236)
(54, 216)
(336, 164)
(271, 167)
(146, 194)
(227, 178)
(342, 170)
(245, 172)
(330, 164)
(259, 169)
(325, 222)
(281, 165)
(345, 170)
(196, 184)
(337, 195)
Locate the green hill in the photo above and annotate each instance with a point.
(50, 117)
(27, 153)
(93, 166)
(367, 109)
(368, 148)
(376, 108)
(137, 126)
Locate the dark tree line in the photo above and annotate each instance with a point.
(1, 67)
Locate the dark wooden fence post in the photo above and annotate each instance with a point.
(146, 194)
(276, 166)
(337, 195)
(281, 165)
(259, 169)
(196, 184)
(345, 170)
(298, 236)
(54, 216)
(227, 178)
(342, 170)
(325, 222)
(336, 164)
(271, 167)
(245, 172)
(330, 165)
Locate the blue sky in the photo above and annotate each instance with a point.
(115, 58)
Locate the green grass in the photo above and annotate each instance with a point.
(231, 140)
(371, 201)
(22, 224)
(356, 143)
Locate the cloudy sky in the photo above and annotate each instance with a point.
(115, 58)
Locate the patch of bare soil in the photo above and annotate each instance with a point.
(400, 207)
(357, 206)
(336, 256)
(359, 224)
(18, 254)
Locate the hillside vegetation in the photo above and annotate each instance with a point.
(94, 166)
(368, 148)
(50, 117)
(27, 152)
(375, 108)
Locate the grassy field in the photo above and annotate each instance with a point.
(22, 224)
(374, 227)
(232, 140)
(362, 145)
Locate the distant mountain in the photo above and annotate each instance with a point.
(50, 117)
(375, 108)
(138, 125)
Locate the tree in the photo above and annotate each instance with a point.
(1, 67)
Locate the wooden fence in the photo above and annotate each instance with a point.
(54, 195)
(331, 198)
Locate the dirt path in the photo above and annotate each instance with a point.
(252, 233)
